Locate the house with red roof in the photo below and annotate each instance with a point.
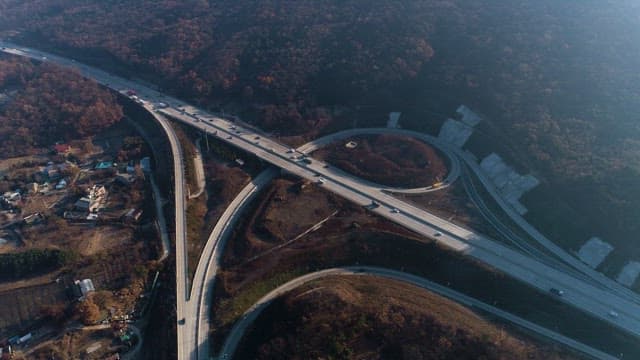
(62, 149)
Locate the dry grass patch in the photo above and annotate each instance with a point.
(376, 318)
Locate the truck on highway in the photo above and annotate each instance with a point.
(24, 339)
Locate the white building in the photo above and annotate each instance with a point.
(85, 286)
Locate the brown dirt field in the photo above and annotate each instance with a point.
(34, 281)
(292, 210)
(42, 203)
(272, 222)
(6, 164)
(12, 243)
(224, 182)
(19, 307)
(74, 344)
(354, 237)
(85, 238)
(390, 160)
(376, 318)
(97, 240)
(118, 269)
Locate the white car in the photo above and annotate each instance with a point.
(438, 233)
(395, 211)
(613, 314)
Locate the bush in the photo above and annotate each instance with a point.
(32, 262)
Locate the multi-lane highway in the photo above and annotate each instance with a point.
(581, 293)
(457, 169)
(240, 327)
(184, 340)
(447, 150)
(202, 290)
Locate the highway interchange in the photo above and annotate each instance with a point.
(594, 294)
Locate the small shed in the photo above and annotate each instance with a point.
(85, 286)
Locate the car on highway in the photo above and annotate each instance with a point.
(229, 137)
(613, 314)
(395, 211)
(256, 138)
(321, 180)
(556, 292)
(182, 321)
(438, 233)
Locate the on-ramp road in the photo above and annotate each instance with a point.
(234, 337)
(579, 293)
(202, 290)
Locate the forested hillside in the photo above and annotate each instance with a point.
(44, 104)
(558, 82)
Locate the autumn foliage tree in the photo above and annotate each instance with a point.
(50, 104)
(88, 311)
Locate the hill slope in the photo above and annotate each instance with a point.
(557, 81)
(357, 318)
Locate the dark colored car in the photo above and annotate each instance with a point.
(556, 292)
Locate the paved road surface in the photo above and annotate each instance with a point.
(184, 341)
(446, 149)
(232, 341)
(552, 251)
(549, 245)
(579, 293)
(202, 290)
